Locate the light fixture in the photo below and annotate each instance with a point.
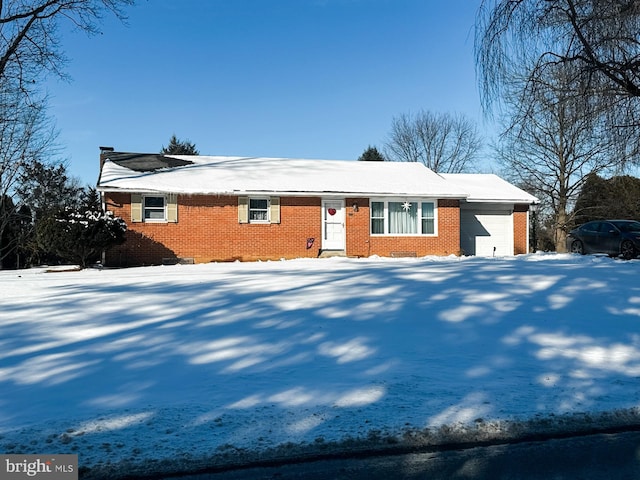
(355, 206)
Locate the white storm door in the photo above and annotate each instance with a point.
(333, 229)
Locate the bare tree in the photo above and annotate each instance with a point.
(565, 75)
(442, 142)
(26, 136)
(29, 34)
(555, 143)
(598, 39)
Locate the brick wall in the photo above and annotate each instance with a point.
(520, 233)
(208, 230)
(357, 224)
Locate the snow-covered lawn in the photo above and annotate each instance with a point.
(159, 367)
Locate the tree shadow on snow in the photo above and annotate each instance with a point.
(256, 355)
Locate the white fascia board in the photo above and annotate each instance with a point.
(129, 190)
(501, 201)
(342, 194)
(285, 194)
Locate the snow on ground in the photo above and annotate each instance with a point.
(191, 365)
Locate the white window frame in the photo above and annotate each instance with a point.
(145, 208)
(383, 218)
(419, 217)
(268, 209)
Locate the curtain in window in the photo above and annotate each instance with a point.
(377, 217)
(403, 217)
(428, 218)
(258, 209)
(154, 208)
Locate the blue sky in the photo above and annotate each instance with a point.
(282, 78)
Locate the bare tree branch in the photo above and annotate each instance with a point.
(442, 142)
(599, 37)
(29, 44)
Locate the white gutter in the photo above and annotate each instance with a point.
(290, 194)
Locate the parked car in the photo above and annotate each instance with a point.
(613, 237)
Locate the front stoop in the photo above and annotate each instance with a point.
(332, 253)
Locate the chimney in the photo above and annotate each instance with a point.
(104, 154)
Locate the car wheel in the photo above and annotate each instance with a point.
(627, 250)
(577, 247)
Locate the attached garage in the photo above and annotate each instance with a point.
(494, 218)
(486, 231)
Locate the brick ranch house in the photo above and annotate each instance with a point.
(203, 209)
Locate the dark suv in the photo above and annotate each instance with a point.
(613, 237)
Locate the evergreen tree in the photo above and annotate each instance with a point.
(591, 202)
(613, 198)
(179, 147)
(371, 154)
(42, 191)
(81, 233)
(47, 187)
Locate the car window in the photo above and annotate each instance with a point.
(605, 227)
(590, 227)
(628, 226)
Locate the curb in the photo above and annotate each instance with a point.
(480, 433)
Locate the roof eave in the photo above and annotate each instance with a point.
(502, 200)
(102, 188)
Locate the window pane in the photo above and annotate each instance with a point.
(258, 210)
(377, 217)
(258, 215)
(427, 210)
(428, 220)
(605, 227)
(154, 208)
(258, 203)
(628, 226)
(152, 214)
(377, 225)
(154, 202)
(377, 209)
(403, 217)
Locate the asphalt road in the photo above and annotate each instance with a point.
(601, 456)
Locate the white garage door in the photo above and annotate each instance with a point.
(486, 233)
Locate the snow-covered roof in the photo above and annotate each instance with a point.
(250, 175)
(482, 187)
(284, 176)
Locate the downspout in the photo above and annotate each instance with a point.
(103, 255)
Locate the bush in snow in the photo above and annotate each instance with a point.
(80, 234)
